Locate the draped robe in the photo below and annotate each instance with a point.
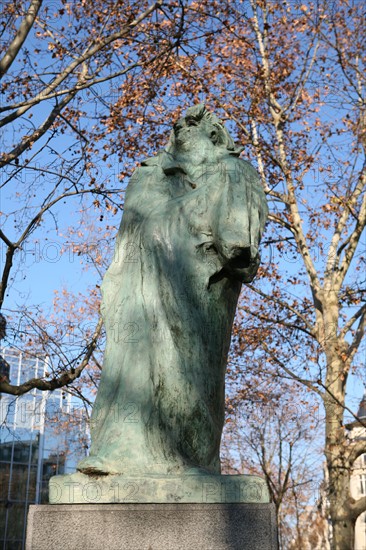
(169, 299)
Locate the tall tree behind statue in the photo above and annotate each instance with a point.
(302, 111)
(302, 66)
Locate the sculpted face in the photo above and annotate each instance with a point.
(198, 138)
(190, 132)
(200, 135)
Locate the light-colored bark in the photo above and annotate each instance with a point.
(72, 68)
(342, 508)
(20, 37)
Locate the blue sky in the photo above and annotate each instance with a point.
(40, 266)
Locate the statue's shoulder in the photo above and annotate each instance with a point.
(156, 160)
(235, 159)
(145, 170)
(242, 168)
(151, 161)
(165, 162)
(148, 182)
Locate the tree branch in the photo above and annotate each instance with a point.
(352, 320)
(37, 134)
(275, 321)
(304, 76)
(6, 271)
(79, 61)
(281, 222)
(353, 242)
(356, 507)
(20, 37)
(335, 252)
(4, 238)
(344, 407)
(308, 383)
(12, 247)
(63, 380)
(284, 306)
(360, 332)
(356, 448)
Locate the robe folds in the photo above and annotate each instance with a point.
(169, 298)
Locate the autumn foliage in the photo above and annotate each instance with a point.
(90, 88)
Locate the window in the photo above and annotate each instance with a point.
(363, 484)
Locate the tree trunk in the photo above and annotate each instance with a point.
(336, 441)
(343, 533)
(339, 470)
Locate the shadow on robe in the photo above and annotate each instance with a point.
(169, 298)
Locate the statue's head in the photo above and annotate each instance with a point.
(197, 128)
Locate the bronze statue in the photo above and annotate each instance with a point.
(193, 218)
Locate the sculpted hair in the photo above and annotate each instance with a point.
(199, 112)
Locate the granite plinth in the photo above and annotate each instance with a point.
(79, 488)
(152, 527)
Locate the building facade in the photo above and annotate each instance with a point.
(358, 479)
(41, 434)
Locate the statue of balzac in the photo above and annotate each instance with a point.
(193, 218)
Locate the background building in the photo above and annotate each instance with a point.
(358, 479)
(41, 434)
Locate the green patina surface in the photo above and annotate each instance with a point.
(189, 238)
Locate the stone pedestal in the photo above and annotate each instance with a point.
(154, 512)
(237, 526)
